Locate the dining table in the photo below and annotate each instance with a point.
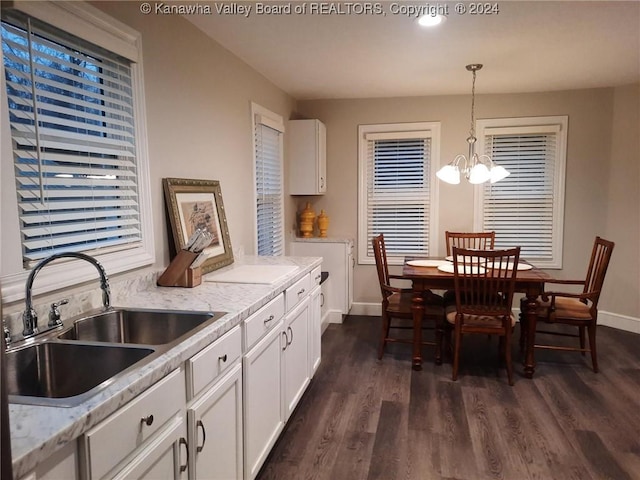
(437, 274)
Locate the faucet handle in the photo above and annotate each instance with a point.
(54, 313)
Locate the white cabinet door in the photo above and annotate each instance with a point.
(62, 464)
(308, 157)
(120, 437)
(215, 430)
(165, 456)
(315, 329)
(296, 355)
(262, 388)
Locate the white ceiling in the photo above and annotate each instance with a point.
(528, 46)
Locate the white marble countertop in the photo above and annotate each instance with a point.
(38, 431)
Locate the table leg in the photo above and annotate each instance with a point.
(530, 310)
(418, 312)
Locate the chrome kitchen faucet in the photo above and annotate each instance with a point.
(30, 318)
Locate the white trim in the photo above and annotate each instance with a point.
(402, 131)
(98, 27)
(88, 23)
(608, 319)
(621, 322)
(549, 124)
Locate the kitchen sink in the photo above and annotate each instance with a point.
(137, 326)
(58, 373)
(66, 365)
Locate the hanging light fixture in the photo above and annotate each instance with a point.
(476, 168)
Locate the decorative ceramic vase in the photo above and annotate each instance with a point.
(323, 223)
(307, 217)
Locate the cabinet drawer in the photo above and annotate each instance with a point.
(205, 366)
(297, 292)
(108, 443)
(262, 321)
(315, 276)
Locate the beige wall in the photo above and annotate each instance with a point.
(198, 110)
(623, 214)
(198, 98)
(592, 197)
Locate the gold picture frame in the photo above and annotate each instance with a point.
(193, 204)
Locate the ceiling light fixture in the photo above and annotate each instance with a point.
(476, 168)
(430, 20)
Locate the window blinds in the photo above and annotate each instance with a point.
(398, 197)
(521, 208)
(270, 217)
(72, 127)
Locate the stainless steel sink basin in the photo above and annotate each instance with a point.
(68, 364)
(137, 326)
(62, 372)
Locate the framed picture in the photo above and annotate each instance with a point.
(197, 204)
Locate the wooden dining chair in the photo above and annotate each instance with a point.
(470, 240)
(484, 283)
(575, 309)
(396, 306)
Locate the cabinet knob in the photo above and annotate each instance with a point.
(148, 420)
(223, 358)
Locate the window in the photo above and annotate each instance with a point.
(74, 114)
(397, 190)
(268, 129)
(527, 207)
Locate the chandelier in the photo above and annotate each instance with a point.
(476, 168)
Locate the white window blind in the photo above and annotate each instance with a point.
(269, 195)
(397, 193)
(525, 209)
(72, 125)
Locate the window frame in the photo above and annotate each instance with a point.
(525, 125)
(275, 121)
(94, 26)
(402, 130)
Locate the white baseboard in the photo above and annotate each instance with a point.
(621, 322)
(366, 309)
(614, 320)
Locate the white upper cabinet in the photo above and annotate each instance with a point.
(307, 157)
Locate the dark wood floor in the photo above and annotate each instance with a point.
(362, 418)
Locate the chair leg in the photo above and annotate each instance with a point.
(456, 352)
(582, 338)
(384, 335)
(592, 347)
(523, 332)
(507, 355)
(439, 335)
(501, 350)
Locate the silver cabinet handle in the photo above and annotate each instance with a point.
(204, 436)
(321, 300)
(286, 341)
(289, 342)
(148, 420)
(186, 446)
(270, 319)
(301, 292)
